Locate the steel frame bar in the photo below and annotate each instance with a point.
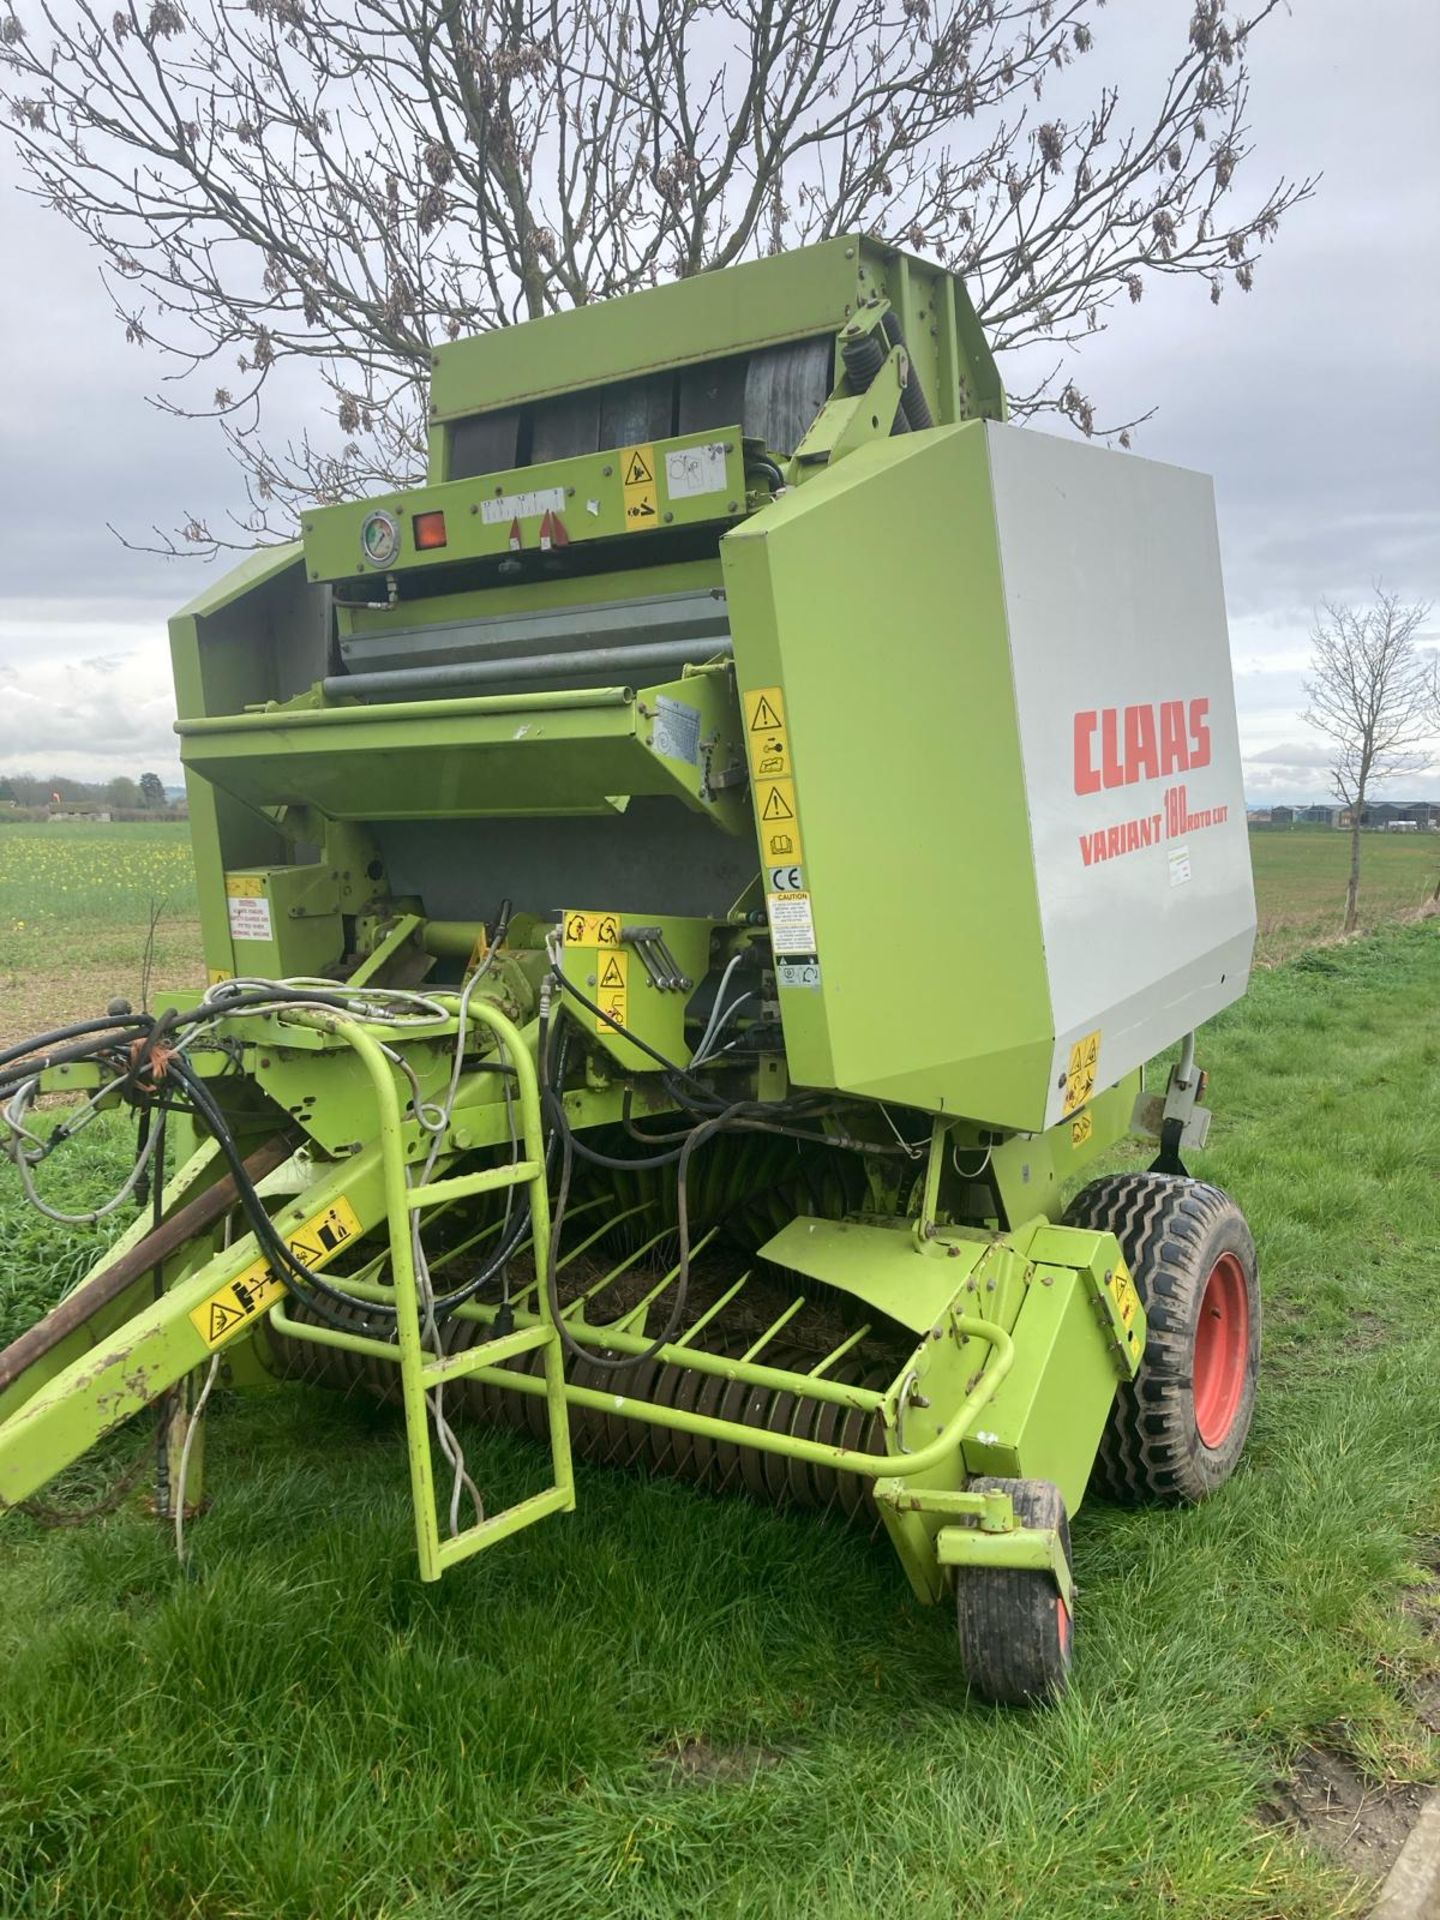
(871, 1466)
(416, 1375)
(804, 1385)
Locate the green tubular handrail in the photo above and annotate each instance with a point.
(845, 1459)
(872, 1466)
(754, 1373)
(400, 1200)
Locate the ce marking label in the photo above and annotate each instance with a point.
(786, 879)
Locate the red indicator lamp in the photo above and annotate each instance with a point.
(429, 531)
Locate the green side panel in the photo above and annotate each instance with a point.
(1046, 1418)
(586, 493)
(257, 634)
(761, 303)
(255, 570)
(872, 597)
(285, 921)
(556, 754)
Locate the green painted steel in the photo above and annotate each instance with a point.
(891, 769)
(819, 787)
(760, 304)
(590, 505)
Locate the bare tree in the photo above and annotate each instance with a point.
(334, 185)
(1374, 697)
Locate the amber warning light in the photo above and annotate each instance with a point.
(429, 531)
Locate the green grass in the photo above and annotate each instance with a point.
(666, 1705)
(1301, 874)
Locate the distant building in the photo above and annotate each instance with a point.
(1417, 813)
(1325, 816)
(1282, 816)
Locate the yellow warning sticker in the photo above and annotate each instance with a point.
(253, 1292)
(216, 976)
(613, 991)
(1081, 1128)
(1080, 1074)
(244, 886)
(591, 929)
(779, 828)
(1122, 1289)
(766, 734)
(637, 475)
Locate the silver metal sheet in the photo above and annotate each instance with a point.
(610, 623)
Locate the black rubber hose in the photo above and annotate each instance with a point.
(82, 1027)
(763, 464)
(913, 403)
(310, 1284)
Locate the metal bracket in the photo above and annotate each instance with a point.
(850, 420)
(1032, 1549)
(1178, 1120)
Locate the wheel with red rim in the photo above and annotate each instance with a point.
(1016, 1632)
(1177, 1430)
(1222, 1346)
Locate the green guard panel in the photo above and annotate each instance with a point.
(872, 597)
(760, 303)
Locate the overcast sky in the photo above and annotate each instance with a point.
(1315, 403)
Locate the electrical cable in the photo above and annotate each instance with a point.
(708, 1051)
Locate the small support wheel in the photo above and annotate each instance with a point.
(1177, 1430)
(1016, 1631)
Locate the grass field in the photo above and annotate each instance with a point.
(1300, 876)
(672, 1706)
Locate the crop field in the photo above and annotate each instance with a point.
(76, 903)
(1300, 876)
(668, 1705)
(75, 908)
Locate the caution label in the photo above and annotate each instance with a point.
(1122, 1290)
(766, 734)
(1081, 1128)
(612, 994)
(1081, 1073)
(792, 925)
(591, 929)
(244, 886)
(779, 828)
(253, 1292)
(249, 918)
(637, 477)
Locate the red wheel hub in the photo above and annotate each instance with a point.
(1222, 1350)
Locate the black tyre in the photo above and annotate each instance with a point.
(1015, 1629)
(1177, 1430)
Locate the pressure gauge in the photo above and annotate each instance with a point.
(380, 538)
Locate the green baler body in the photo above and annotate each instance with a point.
(856, 757)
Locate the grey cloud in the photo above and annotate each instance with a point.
(1290, 755)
